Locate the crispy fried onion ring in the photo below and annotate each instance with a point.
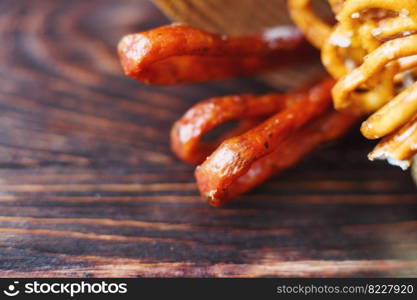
(177, 54)
(302, 121)
(372, 52)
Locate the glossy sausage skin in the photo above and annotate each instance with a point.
(177, 54)
(235, 157)
(187, 132)
(325, 128)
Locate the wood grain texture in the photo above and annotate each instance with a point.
(227, 16)
(88, 186)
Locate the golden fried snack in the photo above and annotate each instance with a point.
(315, 30)
(374, 63)
(235, 156)
(176, 54)
(397, 16)
(325, 128)
(372, 52)
(389, 60)
(393, 115)
(399, 147)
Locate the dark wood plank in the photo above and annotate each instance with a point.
(88, 186)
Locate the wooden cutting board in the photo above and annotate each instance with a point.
(89, 187)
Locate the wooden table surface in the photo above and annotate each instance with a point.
(88, 186)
